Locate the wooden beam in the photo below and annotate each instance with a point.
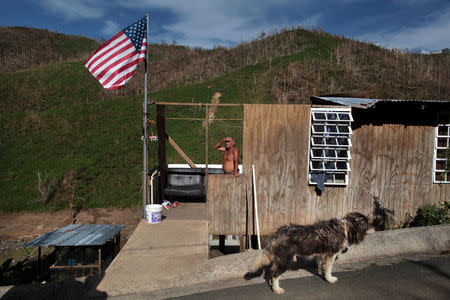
(99, 260)
(186, 158)
(201, 119)
(206, 149)
(39, 262)
(222, 243)
(195, 104)
(161, 128)
(53, 267)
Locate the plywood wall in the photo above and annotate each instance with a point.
(390, 163)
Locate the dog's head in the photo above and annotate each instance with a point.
(358, 226)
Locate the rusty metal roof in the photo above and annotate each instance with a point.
(77, 235)
(364, 102)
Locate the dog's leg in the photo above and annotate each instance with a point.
(327, 266)
(277, 269)
(276, 286)
(320, 259)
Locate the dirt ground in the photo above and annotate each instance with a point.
(18, 228)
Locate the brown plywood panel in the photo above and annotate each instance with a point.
(277, 145)
(226, 205)
(390, 162)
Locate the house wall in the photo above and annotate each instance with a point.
(389, 163)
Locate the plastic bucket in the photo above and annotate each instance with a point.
(153, 213)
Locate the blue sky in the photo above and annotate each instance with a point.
(403, 24)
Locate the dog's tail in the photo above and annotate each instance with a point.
(257, 267)
(262, 260)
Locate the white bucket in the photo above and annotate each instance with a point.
(153, 213)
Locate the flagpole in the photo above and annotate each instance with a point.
(145, 154)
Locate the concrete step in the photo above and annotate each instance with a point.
(158, 253)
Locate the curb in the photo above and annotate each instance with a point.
(381, 244)
(417, 240)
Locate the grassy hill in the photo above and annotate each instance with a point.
(23, 48)
(65, 140)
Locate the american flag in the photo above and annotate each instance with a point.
(114, 63)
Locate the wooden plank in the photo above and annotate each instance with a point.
(278, 147)
(226, 204)
(99, 260)
(39, 262)
(410, 170)
(201, 119)
(53, 267)
(424, 183)
(194, 104)
(421, 164)
(181, 152)
(406, 171)
(397, 163)
(206, 148)
(363, 158)
(161, 128)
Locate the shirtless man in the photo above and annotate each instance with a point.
(231, 156)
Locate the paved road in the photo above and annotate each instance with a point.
(414, 278)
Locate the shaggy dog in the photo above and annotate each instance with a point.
(325, 239)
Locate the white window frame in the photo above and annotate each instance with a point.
(437, 147)
(334, 177)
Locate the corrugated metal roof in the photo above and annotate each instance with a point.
(368, 102)
(77, 235)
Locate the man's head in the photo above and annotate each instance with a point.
(230, 142)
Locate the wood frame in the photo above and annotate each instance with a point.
(98, 265)
(161, 127)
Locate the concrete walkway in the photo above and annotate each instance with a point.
(157, 254)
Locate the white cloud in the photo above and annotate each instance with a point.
(74, 9)
(412, 2)
(203, 23)
(311, 21)
(110, 28)
(434, 35)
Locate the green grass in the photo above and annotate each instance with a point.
(47, 87)
(99, 143)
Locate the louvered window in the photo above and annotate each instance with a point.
(330, 145)
(441, 173)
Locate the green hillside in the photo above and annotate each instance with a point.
(23, 48)
(64, 139)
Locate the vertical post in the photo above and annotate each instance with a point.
(206, 148)
(39, 263)
(145, 152)
(247, 212)
(256, 207)
(161, 127)
(242, 243)
(151, 187)
(222, 243)
(118, 246)
(99, 260)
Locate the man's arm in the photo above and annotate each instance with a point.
(219, 147)
(236, 162)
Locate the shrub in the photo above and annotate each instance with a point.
(432, 214)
